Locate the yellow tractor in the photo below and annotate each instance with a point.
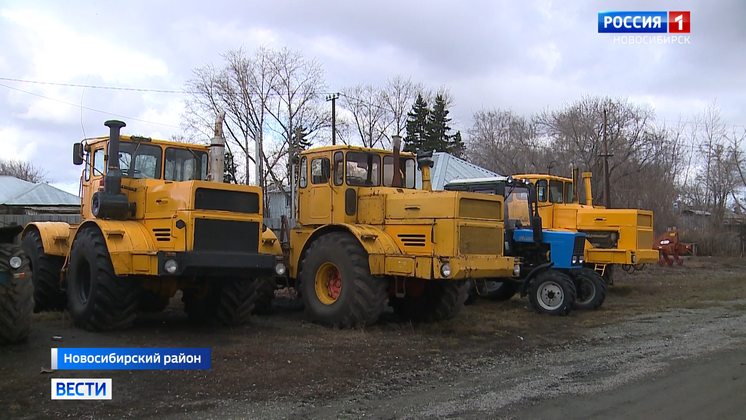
(365, 236)
(153, 224)
(614, 236)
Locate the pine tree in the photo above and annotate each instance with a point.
(417, 126)
(230, 171)
(438, 131)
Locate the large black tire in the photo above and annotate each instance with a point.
(361, 297)
(500, 291)
(552, 292)
(265, 291)
(591, 289)
(227, 302)
(16, 296)
(48, 296)
(98, 299)
(439, 301)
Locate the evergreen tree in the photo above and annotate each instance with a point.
(437, 126)
(230, 171)
(417, 126)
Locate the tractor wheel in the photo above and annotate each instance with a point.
(552, 292)
(16, 295)
(439, 301)
(265, 291)
(227, 301)
(591, 289)
(500, 290)
(98, 299)
(45, 270)
(337, 286)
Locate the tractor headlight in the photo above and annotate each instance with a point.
(15, 262)
(171, 266)
(581, 260)
(280, 269)
(517, 270)
(574, 259)
(445, 270)
(634, 258)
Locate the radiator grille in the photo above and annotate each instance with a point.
(579, 246)
(162, 234)
(644, 239)
(235, 201)
(226, 235)
(412, 239)
(480, 240)
(480, 209)
(644, 220)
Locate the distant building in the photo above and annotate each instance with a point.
(22, 202)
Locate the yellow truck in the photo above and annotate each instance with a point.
(614, 236)
(365, 236)
(153, 224)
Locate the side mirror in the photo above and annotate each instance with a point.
(78, 154)
(326, 169)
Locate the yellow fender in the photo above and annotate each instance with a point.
(376, 242)
(54, 236)
(269, 243)
(130, 245)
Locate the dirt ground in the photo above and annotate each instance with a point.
(496, 360)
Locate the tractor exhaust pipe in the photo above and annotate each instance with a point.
(588, 192)
(113, 179)
(217, 151)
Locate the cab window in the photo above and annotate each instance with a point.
(407, 168)
(541, 190)
(517, 206)
(303, 176)
(338, 168)
(569, 193)
(317, 172)
(139, 160)
(98, 162)
(363, 169)
(556, 191)
(185, 165)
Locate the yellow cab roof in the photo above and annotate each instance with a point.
(343, 147)
(164, 143)
(543, 176)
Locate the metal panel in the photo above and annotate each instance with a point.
(480, 240)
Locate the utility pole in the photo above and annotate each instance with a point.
(606, 155)
(333, 97)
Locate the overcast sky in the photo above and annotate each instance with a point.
(521, 55)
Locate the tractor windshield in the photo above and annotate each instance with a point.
(517, 205)
(407, 168)
(363, 169)
(569, 193)
(138, 160)
(185, 165)
(556, 191)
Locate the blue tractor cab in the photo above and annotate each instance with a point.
(549, 259)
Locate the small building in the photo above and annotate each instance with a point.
(22, 202)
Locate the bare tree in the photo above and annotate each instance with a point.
(367, 106)
(398, 97)
(23, 170)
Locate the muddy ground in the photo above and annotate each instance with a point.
(496, 360)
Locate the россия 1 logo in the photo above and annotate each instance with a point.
(644, 22)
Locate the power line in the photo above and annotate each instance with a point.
(10, 79)
(88, 108)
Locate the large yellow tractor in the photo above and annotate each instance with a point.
(365, 236)
(153, 224)
(614, 236)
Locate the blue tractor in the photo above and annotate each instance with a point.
(551, 261)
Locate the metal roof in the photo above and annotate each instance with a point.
(447, 167)
(17, 192)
